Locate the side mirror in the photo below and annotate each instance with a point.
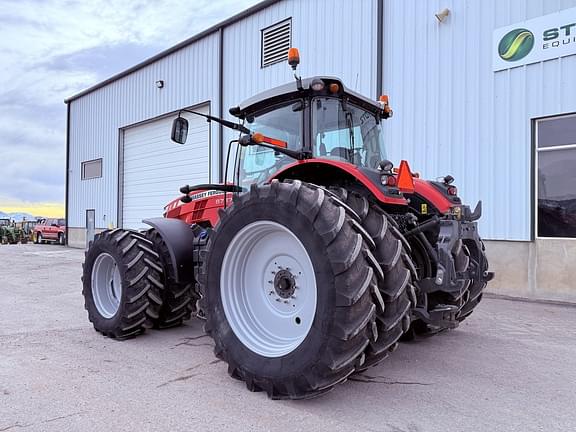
(179, 130)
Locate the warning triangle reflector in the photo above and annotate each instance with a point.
(405, 180)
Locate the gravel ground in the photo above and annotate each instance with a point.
(509, 367)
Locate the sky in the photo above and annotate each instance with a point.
(53, 49)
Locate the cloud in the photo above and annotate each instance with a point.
(52, 49)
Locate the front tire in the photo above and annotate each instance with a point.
(287, 291)
(121, 283)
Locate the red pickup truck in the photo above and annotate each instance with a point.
(53, 230)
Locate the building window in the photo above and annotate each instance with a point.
(556, 182)
(276, 41)
(92, 169)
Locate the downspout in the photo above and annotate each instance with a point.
(66, 206)
(379, 46)
(221, 104)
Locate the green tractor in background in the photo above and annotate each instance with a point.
(9, 233)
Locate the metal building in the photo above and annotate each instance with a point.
(483, 90)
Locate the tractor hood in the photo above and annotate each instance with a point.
(290, 91)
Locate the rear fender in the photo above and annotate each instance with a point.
(432, 196)
(327, 172)
(179, 238)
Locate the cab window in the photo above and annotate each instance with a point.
(346, 132)
(284, 123)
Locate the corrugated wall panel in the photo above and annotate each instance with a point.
(190, 77)
(335, 37)
(454, 115)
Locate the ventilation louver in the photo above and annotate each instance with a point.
(276, 41)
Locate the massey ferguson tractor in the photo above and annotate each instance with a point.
(313, 263)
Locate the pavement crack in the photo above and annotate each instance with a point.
(196, 366)
(182, 378)
(410, 428)
(62, 417)
(379, 379)
(194, 337)
(15, 425)
(190, 341)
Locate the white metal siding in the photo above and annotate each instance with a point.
(190, 77)
(334, 37)
(452, 114)
(154, 167)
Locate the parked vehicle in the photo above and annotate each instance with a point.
(7, 234)
(313, 263)
(10, 232)
(27, 229)
(50, 230)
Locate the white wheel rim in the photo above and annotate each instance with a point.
(268, 289)
(106, 285)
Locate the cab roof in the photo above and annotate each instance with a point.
(290, 91)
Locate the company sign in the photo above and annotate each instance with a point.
(543, 38)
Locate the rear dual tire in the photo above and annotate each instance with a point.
(432, 300)
(178, 299)
(396, 293)
(478, 263)
(122, 283)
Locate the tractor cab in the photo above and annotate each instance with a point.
(313, 118)
(315, 129)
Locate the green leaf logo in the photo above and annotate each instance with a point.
(516, 44)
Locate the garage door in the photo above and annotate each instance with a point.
(155, 167)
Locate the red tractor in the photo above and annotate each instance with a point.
(313, 263)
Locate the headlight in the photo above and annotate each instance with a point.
(317, 85)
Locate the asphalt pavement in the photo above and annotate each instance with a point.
(510, 367)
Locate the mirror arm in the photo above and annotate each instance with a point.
(298, 155)
(226, 123)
